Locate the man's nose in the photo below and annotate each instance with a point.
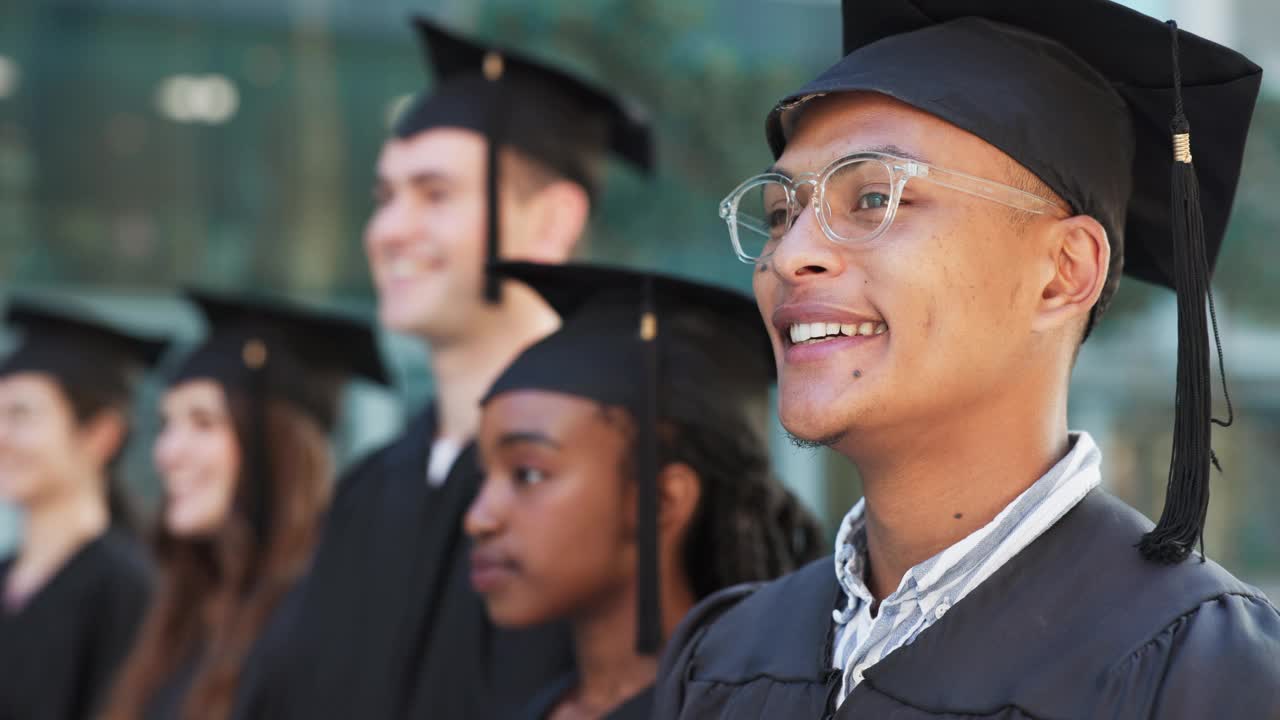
(805, 250)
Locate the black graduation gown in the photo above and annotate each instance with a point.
(263, 672)
(258, 673)
(1077, 625)
(637, 707)
(59, 653)
(168, 700)
(387, 625)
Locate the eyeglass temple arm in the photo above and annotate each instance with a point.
(1006, 195)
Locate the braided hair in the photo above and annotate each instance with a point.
(713, 410)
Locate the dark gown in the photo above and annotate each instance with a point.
(1077, 625)
(637, 707)
(168, 700)
(387, 625)
(268, 655)
(60, 651)
(269, 658)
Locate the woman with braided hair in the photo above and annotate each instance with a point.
(626, 476)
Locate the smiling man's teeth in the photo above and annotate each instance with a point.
(403, 268)
(820, 331)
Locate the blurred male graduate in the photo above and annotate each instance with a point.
(501, 159)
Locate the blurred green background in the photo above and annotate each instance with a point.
(146, 144)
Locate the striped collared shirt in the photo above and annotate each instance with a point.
(929, 589)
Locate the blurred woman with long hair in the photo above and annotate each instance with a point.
(75, 591)
(245, 458)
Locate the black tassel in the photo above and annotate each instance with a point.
(1181, 523)
(492, 285)
(256, 358)
(649, 600)
(493, 70)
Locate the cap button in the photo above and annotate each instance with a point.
(492, 66)
(254, 354)
(648, 326)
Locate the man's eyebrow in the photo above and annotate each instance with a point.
(420, 177)
(884, 149)
(895, 150)
(527, 436)
(427, 177)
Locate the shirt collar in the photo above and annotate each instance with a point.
(1075, 474)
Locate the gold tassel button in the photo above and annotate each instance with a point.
(493, 66)
(1182, 148)
(648, 326)
(254, 354)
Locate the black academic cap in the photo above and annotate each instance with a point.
(552, 115)
(77, 348)
(624, 335)
(268, 345)
(514, 100)
(1098, 101)
(603, 309)
(1080, 93)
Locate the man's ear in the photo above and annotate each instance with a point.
(679, 493)
(104, 434)
(556, 216)
(1075, 274)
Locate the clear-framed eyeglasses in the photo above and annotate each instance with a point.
(856, 196)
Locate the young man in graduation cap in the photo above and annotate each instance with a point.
(949, 214)
(501, 159)
(72, 597)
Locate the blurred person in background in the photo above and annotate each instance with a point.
(501, 159)
(247, 470)
(964, 190)
(79, 584)
(596, 512)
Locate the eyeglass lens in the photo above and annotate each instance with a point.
(857, 198)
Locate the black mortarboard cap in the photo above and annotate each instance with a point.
(513, 100)
(624, 335)
(300, 354)
(77, 348)
(1080, 93)
(1097, 100)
